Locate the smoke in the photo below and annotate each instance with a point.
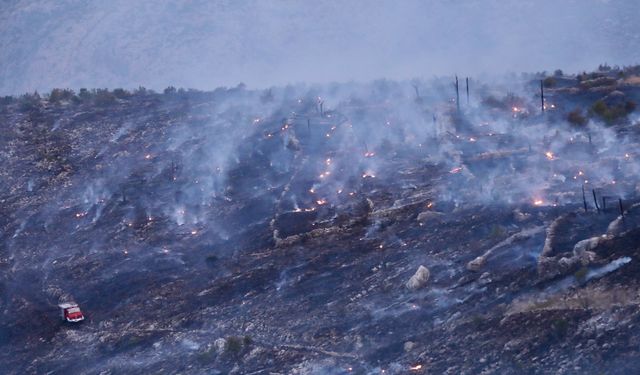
(209, 44)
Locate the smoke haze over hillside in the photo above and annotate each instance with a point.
(205, 44)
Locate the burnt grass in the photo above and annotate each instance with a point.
(224, 293)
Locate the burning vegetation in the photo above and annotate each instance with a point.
(235, 231)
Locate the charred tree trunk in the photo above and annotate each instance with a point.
(621, 208)
(542, 95)
(467, 80)
(584, 199)
(457, 94)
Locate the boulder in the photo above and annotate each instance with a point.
(419, 279)
(476, 264)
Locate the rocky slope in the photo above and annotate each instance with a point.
(275, 232)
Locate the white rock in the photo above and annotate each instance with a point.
(408, 346)
(476, 264)
(419, 279)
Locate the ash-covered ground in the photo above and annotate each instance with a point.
(283, 231)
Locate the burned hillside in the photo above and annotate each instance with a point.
(277, 231)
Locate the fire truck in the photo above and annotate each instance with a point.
(70, 312)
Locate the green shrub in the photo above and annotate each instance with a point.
(549, 82)
(581, 274)
(497, 231)
(599, 108)
(575, 117)
(612, 113)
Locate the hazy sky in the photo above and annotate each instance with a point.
(205, 44)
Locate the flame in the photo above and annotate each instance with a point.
(549, 155)
(368, 174)
(320, 202)
(538, 202)
(456, 170)
(471, 139)
(312, 191)
(194, 232)
(415, 368)
(515, 109)
(147, 156)
(430, 204)
(369, 154)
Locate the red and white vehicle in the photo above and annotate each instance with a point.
(70, 312)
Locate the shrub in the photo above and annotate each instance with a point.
(58, 95)
(6, 100)
(549, 82)
(85, 94)
(575, 117)
(612, 113)
(104, 98)
(29, 102)
(559, 327)
(141, 90)
(233, 345)
(604, 67)
(247, 340)
(121, 93)
(581, 274)
(599, 108)
(558, 73)
(170, 90)
(497, 231)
